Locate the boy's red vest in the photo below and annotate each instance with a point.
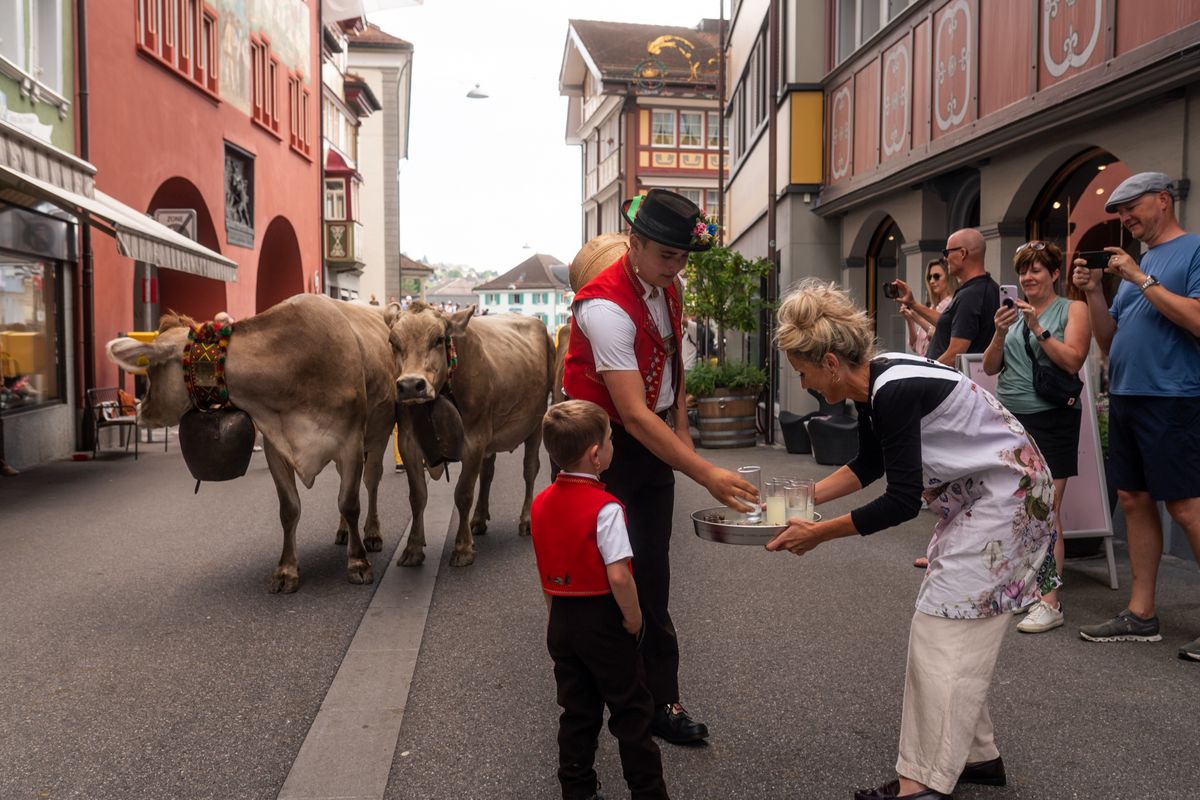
(617, 283)
(563, 523)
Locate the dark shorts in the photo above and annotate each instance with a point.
(1154, 445)
(1056, 434)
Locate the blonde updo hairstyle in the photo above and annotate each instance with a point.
(817, 317)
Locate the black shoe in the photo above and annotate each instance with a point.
(671, 722)
(985, 773)
(888, 792)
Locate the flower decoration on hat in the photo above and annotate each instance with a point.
(705, 232)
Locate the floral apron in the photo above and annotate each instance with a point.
(992, 550)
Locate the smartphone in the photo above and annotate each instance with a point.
(1009, 295)
(891, 290)
(1096, 259)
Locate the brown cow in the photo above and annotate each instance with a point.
(315, 375)
(501, 385)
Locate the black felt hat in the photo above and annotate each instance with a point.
(669, 219)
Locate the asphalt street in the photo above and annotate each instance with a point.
(143, 656)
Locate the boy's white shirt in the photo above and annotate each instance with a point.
(612, 537)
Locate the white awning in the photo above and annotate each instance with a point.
(138, 236)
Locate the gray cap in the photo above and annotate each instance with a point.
(1135, 186)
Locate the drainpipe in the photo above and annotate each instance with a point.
(87, 278)
(721, 128)
(769, 354)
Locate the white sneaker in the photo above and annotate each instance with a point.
(1041, 618)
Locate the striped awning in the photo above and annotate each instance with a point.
(138, 236)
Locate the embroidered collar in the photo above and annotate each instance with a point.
(204, 365)
(451, 356)
(580, 478)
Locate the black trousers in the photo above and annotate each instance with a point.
(646, 485)
(596, 663)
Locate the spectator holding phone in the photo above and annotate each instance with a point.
(1151, 337)
(939, 290)
(1058, 332)
(967, 324)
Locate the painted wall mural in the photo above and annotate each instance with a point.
(952, 64)
(285, 23)
(1070, 33)
(897, 74)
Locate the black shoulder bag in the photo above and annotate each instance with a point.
(1052, 383)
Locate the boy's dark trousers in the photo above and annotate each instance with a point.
(646, 486)
(596, 662)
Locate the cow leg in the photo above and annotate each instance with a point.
(464, 494)
(350, 470)
(372, 473)
(533, 462)
(414, 549)
(287, 575)
(479, 519)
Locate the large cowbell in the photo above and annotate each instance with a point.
(216, 445)
(438, 427)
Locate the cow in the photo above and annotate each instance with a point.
(501, 385)
(316, 376)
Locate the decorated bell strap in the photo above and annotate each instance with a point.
(204, 364)
(451, 356)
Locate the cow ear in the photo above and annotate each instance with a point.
(459, 320)
(391, 312)
(136, 357)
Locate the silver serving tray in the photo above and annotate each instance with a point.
(732, 531)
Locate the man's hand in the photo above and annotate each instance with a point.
(731, 490)
(1087, 280)
(1122, 265)
(633, 626)
(799, 537)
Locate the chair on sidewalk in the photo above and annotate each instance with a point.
(107, 408)
(833, 432)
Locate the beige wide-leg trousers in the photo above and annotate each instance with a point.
(945, 723)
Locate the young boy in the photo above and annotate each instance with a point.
(583, 554)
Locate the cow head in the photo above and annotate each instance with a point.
(420, 338)
(166, 397)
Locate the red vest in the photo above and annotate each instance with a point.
(563, 524)
(617, 283)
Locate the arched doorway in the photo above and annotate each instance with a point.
(157, 290)
(1069, 211)
(883, 261)
(280, 269)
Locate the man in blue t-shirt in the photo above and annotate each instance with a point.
(1150, 336)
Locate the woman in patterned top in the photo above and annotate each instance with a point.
(934, 434)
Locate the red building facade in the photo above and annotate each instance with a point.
(204, 115)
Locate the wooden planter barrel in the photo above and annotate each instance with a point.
(727, 419)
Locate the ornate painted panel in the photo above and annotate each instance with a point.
(895, 129)
(954, 66)
(841, 126)
(1070, 39)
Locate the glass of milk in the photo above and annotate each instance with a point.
(777, 501)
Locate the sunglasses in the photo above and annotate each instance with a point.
(932, 278)
(946, 253)
(1036, 246)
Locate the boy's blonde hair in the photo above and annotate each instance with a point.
(569, 428)
(818, 317)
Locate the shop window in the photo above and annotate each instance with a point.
(30, 345)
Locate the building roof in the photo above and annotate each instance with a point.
(628, 51)
(375, 37)
(454, 287)
(534, 272)
(414, 269)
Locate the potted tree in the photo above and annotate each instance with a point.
(722, 286)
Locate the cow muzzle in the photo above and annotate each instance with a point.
(412, 389)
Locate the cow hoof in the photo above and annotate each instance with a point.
(341, 536)
(373, 544)
(411, 558)
(524, 529)
(461, 558)
(358, 571)
(479, 527)
(285, 580)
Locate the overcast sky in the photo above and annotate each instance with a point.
(484, 178)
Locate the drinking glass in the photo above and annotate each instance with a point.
(777, 489)
(753, 476)
(800, 499)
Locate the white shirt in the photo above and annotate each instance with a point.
(612, 537)
(611, 332)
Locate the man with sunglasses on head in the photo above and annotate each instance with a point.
(967, 325)
(1151, 337)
